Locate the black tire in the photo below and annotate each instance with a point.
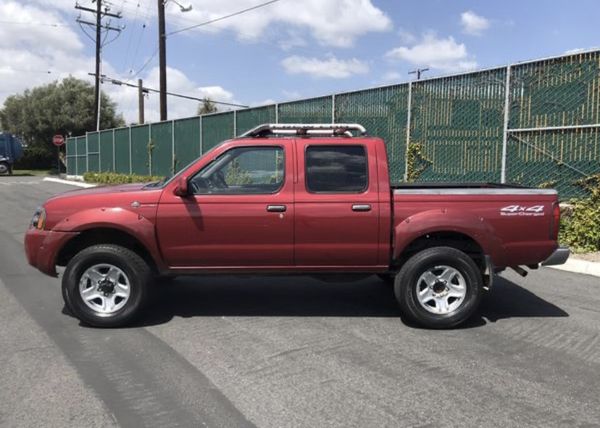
(406, 284)
(131, 264)
(5, 167)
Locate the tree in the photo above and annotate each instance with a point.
(207, 106)
(65, 107)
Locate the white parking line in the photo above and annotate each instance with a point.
(10, 183)
(72, 183)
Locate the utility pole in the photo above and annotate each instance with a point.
(98, 60)
(418, 72)
(162, 59)
(162, 53)
(140, 102)
(98, 42)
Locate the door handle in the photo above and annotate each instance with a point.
(361, 207)
(276, 208)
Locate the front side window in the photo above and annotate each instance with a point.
(243, 170)
(336, 169)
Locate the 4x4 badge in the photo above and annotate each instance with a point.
(520, 210)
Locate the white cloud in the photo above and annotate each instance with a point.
(38, 54)
(177, 82)
(473, 24)
(291, 95)
(330, 67)
(406, 37)
(331, 22)
(33, 55)
(392, 76)
(442, 53)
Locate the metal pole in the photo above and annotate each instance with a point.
(333, 108)
(140, 102)
(162, 59)
(99, 105)
(276, 113)
(149, 151)
(505, 130)
(235, 123)
(200, 133)
(76, 157)
(87, 153)
(130, 161)
(98, 59)
(408, 124)
(173, 160)
(114, 168)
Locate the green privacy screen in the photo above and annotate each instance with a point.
(250, 118)
(140, 145)
(383, 112)
(122, 147)
(453, 128)
(187, 141)
(315, 110)
(161, 148)
(457, 127)
(216, 128)
(106, 151)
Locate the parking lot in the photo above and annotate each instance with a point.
(291, 351)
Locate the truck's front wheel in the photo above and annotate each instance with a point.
(106, 285)
(5, 168)
(439, 287)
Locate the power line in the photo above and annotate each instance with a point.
(36, 24)
(221, 18)
(99, 14)
(146, 89)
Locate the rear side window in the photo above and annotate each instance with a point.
(336, 169)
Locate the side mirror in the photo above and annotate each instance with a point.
(181, 189)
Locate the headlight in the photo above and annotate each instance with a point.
(39, 219)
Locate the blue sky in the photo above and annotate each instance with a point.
(289, 49)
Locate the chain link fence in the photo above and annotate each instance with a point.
(534, 123)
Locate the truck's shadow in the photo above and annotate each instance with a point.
(297, 296)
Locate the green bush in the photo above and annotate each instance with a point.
(580, 222)
(114, 178)
(36, 158)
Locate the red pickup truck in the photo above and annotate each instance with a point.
(311, 199)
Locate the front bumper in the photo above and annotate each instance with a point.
(42, 247)
(558, 257)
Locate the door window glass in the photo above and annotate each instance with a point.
(243, 170)
(336, 169)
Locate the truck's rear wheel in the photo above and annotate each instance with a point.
(439, 287)
(106, 285)
(5, 168)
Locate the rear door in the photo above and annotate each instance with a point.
(337, 207)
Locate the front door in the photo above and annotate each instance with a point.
(239, 213)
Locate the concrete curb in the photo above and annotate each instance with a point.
(579, 266)
(72, 183)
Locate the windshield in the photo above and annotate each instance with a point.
(168, 178)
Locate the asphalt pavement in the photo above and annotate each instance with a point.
(291, 351)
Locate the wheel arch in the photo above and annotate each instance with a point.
(443, 238)
(105, 235)
(449, 227)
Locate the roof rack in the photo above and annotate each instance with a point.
(306, 129)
